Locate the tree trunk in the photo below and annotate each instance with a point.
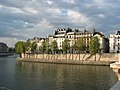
(83, 56)
(76, 57)
(66, 55)
(20, 55)
(72, 56)
(79, 56)
(95, 57)
(43, 55)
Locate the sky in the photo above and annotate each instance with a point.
(23, 19)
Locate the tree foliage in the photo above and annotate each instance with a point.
(27, 46)
(80, 45)
(54, 46)
(48, 47)
(33, 46)
(94, 45)
(65, 45)
(20, 47)
(43, 47)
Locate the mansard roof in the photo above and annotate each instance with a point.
(99, 33)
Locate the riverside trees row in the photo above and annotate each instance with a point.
(79, 47)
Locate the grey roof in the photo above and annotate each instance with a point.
(118, 33)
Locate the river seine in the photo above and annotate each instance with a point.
(42, 76)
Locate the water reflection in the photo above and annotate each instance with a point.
(41, 76)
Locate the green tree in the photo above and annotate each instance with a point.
(27, 46)
(80, 46)
(11, 49)
(65, 46)
(33, 47)
(54, 46)
(48, 46)
(94, 46)
(20, 47)
(43, 47)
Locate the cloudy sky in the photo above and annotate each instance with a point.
(23, 19)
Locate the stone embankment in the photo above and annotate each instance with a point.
(103, 59)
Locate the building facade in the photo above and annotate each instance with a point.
(72, 35)
(4, 47)
(38, 41)
(114, 42)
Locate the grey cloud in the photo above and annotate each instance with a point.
(24, 19)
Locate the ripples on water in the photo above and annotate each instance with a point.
(41, 76)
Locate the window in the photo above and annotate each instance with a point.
(113, 47)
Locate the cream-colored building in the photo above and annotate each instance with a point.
(104, 42)
(114, 42)
(38, 41)
(61, 34)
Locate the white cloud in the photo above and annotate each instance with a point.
(69, 1)
(101, 15)
(50, 2)
(30, 10)
(22, 19)
(16, 10)
(54, 11)
(41, 29)
(77, 17)
(1, 6)
(105, 4)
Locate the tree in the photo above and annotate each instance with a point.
(20, 47)
(65, 46)
(80, 46)
(33, 47)
(11, 49)
(27, 46)
(94, 46)
(54, 46)
(48, 47)
(43, 48)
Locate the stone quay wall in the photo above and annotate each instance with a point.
(77, 57)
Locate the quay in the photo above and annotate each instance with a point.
(104, 59)
(73, 62)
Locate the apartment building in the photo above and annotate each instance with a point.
(114, 42)
(37, 40)
(72, 35)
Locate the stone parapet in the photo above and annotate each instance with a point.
(82, 57)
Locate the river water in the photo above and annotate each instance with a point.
(41, 76)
